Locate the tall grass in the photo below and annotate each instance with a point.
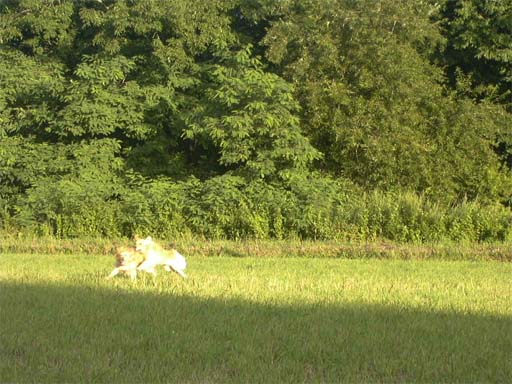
(257, 320)
(197, 246)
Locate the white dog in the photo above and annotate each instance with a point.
(155, 255)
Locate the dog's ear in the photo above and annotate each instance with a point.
(149, 238)
(136, 237)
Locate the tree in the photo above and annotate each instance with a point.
(113, 108)
(248, 118)
(478, 56)
(374, 104)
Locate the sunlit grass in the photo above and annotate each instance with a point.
(255, 320)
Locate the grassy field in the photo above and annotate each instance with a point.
(249, 319)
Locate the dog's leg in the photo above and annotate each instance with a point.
(124, 268)
(113, 273)
(147, 267)
(169, 268)
(181, 273)
(133, 273)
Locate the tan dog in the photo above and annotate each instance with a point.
(127, 261)
(154, 255)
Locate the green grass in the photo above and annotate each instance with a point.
(255, 320)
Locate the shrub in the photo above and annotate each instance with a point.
(230, 207)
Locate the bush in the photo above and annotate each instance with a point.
(229, 207)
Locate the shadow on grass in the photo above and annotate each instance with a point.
(69, 334)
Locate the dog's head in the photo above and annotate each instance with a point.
(142, 244)
(126, 255)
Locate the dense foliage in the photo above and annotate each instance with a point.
(257, 118)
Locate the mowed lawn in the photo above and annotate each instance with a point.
(255, 320)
